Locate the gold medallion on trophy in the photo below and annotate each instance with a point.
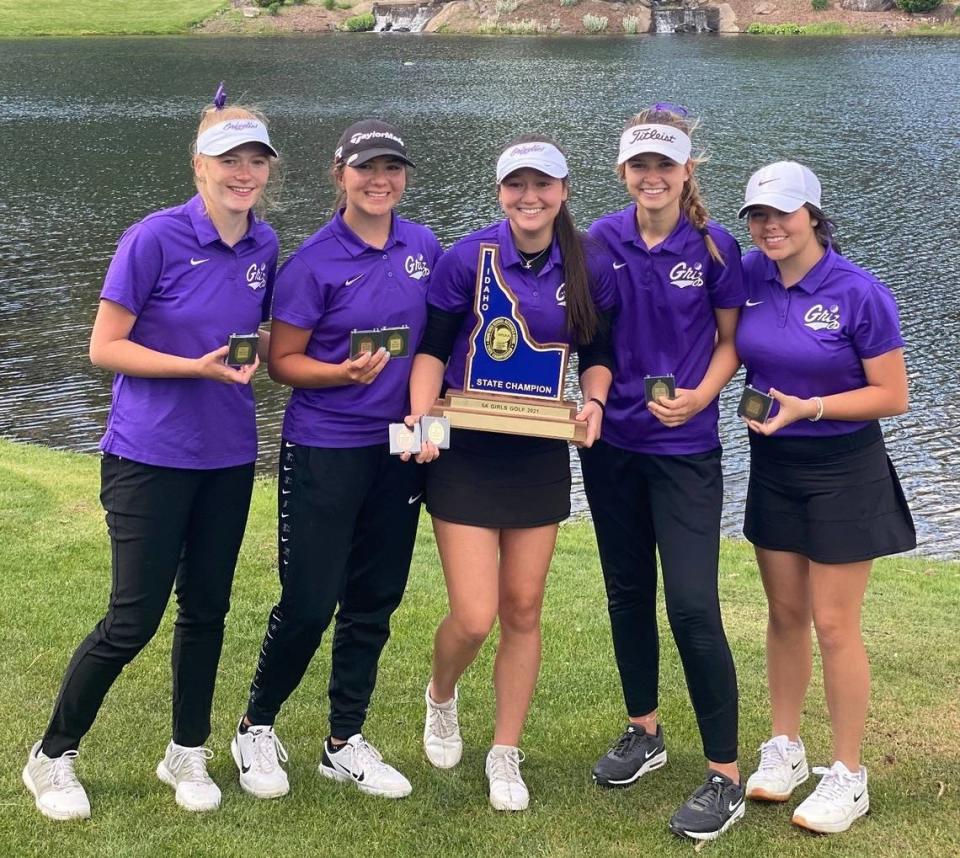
(500, 338)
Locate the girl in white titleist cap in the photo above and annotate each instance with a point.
(654, 482)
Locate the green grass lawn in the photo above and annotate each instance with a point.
(103, 17)
(54, 568)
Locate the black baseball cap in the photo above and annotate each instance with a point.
(369, 139)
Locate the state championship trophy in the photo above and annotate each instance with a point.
(512, 383)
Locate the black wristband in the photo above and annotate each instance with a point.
(603, 405)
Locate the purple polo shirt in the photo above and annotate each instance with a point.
(539, 293)
(189, 292)
(336, 283)
(666, 326)
(812, 339)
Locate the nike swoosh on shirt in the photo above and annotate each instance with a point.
(618, 265)
(414, 498)
(352, 280)
(198, 261)
(753, 303)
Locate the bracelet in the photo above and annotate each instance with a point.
(603, 405)
(819, 413)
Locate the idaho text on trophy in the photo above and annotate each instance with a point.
(513, 384)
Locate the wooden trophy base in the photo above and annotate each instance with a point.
(511, 415)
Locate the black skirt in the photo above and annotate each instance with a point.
(834, 500)
(487, 479)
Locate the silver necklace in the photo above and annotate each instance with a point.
(527, 261)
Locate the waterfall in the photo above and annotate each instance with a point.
(401, 17)
(685, 18)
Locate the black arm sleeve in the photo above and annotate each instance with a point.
(599, 351)
(441, 331)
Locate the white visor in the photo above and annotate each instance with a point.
(225, 136)
(544, 157)
(662, 139)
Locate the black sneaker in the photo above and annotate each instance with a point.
(711, 810)
(634, 754)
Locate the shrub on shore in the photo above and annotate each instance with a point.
(595, 23)
(360, 23)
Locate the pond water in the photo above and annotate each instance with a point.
(95, 134)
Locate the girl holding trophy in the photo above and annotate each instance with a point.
(497, 499)
(820, 336)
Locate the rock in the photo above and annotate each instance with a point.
(867, 5)
(728, 19)
(456, 11)
(764, 9)
(643, 16)
(250, 12)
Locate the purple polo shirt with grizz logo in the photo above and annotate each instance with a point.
(540, 293)
(189, 292)
(666, 326)
(336, 283)
(812, 339)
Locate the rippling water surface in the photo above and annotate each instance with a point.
(95, 134)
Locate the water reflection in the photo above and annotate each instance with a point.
(95, 135)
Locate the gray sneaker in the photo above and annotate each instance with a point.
(634, 754)
(54, 784)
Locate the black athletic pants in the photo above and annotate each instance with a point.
(346, 529)
(640, 503)
(169, 528)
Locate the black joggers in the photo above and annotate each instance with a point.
(346, 529)
(169, 527)
(639, 503)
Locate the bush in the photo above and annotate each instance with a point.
(569, 2)
(916, 6)
(360, 23)
(505, 7)
(595, 23)
(274, 8)
(819, 5)
(329, 5)
(631, 24)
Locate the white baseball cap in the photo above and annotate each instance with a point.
(651, 137)
(537, 155)
(785, 186)
(231, 133)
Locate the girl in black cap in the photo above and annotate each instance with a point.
(348, 510)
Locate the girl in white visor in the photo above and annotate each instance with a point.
(654, 483)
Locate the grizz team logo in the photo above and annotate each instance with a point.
(257, 276)
(819, 318)
(682, 275)
(416, 268)
(500, 338)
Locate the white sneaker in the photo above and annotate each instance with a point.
(507, 789)
(359, 762)
(840, 798)
(441, 732)
(258, 754)
(185, 769)
(55, 786)
(783, 767)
